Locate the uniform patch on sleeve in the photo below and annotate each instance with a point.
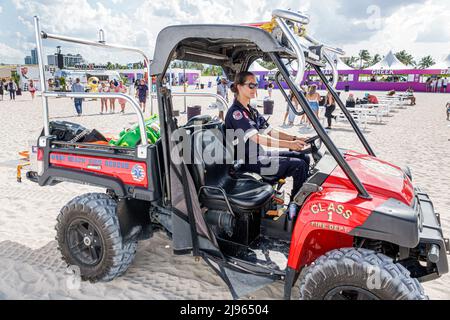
(237, 115)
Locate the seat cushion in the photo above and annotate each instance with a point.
(243, 194)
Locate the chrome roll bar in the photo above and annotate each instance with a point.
(328, 57)
(37, 33)
(101, 44)
(297, 50)
(292, 16)
(132, 101)
(298, 17)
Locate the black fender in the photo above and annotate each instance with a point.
(393, 222)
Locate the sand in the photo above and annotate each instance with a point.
(30, 265)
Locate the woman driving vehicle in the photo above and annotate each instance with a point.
(254, 133)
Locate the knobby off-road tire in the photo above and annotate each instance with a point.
(88, 235)
(347, 274)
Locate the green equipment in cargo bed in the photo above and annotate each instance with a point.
(131, 137)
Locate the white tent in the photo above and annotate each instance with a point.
(390, 62)
(340, 65)
(443, 64)
(256, 67)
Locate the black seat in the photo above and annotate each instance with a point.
(211, 173)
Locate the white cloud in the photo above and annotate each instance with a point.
(18, 4)
(10, 55)
(26, 22)
(1, 9)
(403, 24)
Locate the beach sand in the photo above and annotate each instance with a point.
(30, 265)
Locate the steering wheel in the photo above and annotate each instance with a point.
(315, 144)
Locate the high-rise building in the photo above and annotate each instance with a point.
(70, 60)
(34, 59)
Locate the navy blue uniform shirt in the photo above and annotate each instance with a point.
(247, 123)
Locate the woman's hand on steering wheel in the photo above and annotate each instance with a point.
(297, 145)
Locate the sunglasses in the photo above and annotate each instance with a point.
(251, 85)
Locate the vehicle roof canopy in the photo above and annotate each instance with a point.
(232, 47)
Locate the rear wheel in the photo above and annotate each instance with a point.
(88, 235)
(358, 274)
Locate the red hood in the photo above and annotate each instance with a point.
(378, 177)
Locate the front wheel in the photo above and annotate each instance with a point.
(358, 274)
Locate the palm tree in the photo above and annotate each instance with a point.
(364, 56)
(405, 58)
(376, 58)
(351, 61)
(426, 62)
(267, 64)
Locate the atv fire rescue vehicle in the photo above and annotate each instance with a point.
(362, 229)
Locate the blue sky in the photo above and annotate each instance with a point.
(420, 27)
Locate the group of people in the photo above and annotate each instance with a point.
(314, 100)
(438, 85)
(138, 88)
(8, 86)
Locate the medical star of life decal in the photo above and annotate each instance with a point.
(138, 173)
(237, 115)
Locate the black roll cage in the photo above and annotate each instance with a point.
(275, 57)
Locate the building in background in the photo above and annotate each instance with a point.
(32, 59)
(69, 60)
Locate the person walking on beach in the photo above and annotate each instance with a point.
(330, 106)
(222, 90)
(112, 101)
(289, 114)
(270, 89)
(122, 102)
(439, 85)
(104, 101)
(410, 96)
(78, 87)
(32, 89)
(448, 110)
(433, 85)
(132, 89)
(1, 88)
(12, 88)
(142, 93)
(428, 85)
(313, 99)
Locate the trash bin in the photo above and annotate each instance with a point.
(347, 88)
(193, 111)
(268, 106)
(202, 86)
